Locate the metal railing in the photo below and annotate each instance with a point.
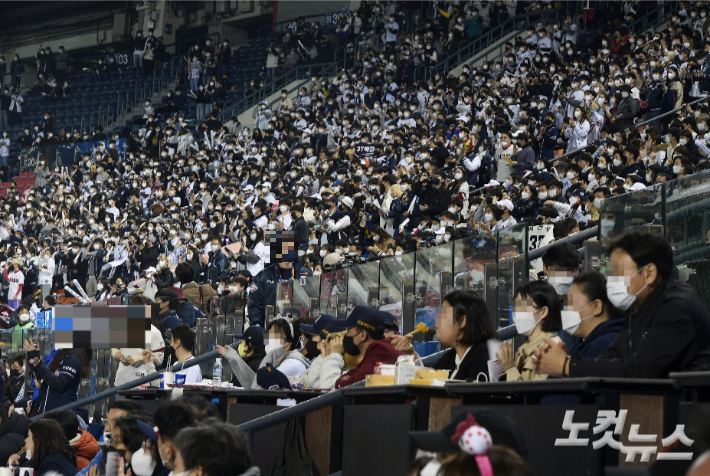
(234, 108)
(134, 383)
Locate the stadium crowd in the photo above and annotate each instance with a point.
(382, 159)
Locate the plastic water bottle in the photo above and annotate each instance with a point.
(217, 373)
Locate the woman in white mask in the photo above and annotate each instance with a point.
(253, 254)
(128, 438)
(283, 351)
(536, 314)
(590, 316)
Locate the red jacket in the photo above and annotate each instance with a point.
(86, 449)
(379, 351)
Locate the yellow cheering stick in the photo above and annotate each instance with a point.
(421, 327)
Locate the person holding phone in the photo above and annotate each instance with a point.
(60, 379)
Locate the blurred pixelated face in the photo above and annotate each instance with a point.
(621, 264)
(281, 247)
(448, 329)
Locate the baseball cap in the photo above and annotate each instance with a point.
(363, 316)
(323, 326)
(148, 430)
(503, 430)
(391, 322)
(253, 335)
(270, 378)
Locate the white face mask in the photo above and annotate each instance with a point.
(524, 195)
(572, 319)
(542, 195)
(323, 253)
(552, 193)
(488, 217)
(562, 284)
(142, 464)
(272, 344)
(525, 322)
(617, 287)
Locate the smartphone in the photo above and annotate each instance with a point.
(112, 459)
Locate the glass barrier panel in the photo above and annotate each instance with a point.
(639, 209)
(363, 284)
(331, 284)
(687, 217)
(470, 257)
(513, 241)
(431, 262)
(393, 271)
(284, 298)
(687, 220)
(304, 291)
(504, 288)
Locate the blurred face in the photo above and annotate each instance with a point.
(111, 417)
(636, 279)
(448, 330)
(29, 442)
(578, 301)
(117, 439)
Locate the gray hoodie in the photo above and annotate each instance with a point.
(274, 358)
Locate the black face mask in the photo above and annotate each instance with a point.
(349, 345)
(312, 349)
(14, 373)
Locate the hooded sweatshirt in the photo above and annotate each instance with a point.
(86, 448)
(291, 363)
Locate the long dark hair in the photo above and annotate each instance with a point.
(49, 440)
(140, 300)
(479, 325)
(543, 294)
(84, 369)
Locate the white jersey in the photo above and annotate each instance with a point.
(16, 280)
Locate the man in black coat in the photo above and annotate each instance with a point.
(300, 226)
(668, 328)
(284, 267)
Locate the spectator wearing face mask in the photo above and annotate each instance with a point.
(365, 336)
(536, 315)
(19, 332)
(83, 443)
(283, 352)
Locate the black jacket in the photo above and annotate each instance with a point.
(13, 432)
(626, 112)
(301, 230)
(474, 363)
(670, 332)
(263, 290)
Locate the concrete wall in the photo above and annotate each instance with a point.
(290, 10)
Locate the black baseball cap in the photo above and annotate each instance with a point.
(322, 327)
(253, 335)
(271, 379)
(503, 430)
(365, 317)
(391, 322)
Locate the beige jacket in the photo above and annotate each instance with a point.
(524, 369)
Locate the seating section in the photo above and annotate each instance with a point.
(94, 100)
